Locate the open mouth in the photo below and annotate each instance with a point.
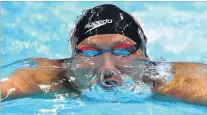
(111, 82)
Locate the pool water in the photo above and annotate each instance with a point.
(41, 29)
(120, 100)
(107, 105)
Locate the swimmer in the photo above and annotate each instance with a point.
(107, 43)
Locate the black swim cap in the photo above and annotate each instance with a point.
(108, 19)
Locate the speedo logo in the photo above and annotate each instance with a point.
(96, 24)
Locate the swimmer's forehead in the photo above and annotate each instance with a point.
(106, 39)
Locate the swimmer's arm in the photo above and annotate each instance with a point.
(29, 81)
(25, 82)
(20, 83)
(189, 83)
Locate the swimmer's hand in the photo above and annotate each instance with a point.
(189, 83)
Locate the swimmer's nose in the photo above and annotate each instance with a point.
(107, 63)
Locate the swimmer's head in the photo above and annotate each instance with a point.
(106, 40)
(107, 19)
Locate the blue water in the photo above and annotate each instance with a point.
(41, 29)
(88, 106)
(96, 101)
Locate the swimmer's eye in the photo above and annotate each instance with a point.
(126, 50)
(88, 51)
(122, 51)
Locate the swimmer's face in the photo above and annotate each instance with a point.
(87, 65)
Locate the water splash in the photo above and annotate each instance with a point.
(21, 63)
(45, 88)
(25, 63)
(8, 93)
(160, 71)
(128, 92)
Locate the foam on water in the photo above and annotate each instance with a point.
(128, 92)
(130, 98)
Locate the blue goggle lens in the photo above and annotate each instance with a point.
(89, 53)
(119, 51)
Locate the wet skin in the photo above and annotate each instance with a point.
(189, 85)
(106, 61)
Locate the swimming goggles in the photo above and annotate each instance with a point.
(122, 50)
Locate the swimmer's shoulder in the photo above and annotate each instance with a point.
(189, 78)
(53, 69)
(51, 62)
(194, 69)
(186, 65)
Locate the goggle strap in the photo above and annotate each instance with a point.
(122, 46)
(88, 48)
